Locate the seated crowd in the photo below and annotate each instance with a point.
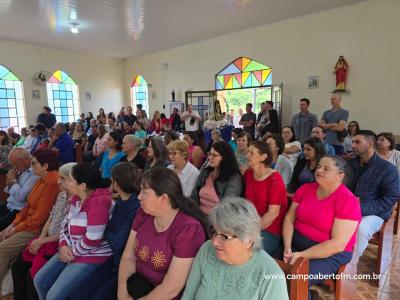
(148, 212)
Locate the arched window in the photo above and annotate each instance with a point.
(140, 93)
(63, 97)
(12, 110)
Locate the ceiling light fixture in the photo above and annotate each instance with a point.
(74, 28)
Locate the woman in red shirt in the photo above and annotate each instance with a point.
(266, 190)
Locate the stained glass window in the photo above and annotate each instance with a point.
(63, 97)
(12, 109)
(140, 93)
(243, 72)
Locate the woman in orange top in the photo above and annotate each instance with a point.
(30, 220)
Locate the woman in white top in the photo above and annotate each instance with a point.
(292, 146)
(279, 162)
(178, 152)
(385, 146)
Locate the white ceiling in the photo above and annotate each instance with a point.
(127, 28)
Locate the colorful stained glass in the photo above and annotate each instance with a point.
(140, 93)
(243, 72)
(12, 110)
(63, 97)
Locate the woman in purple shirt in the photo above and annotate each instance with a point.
(166, 234)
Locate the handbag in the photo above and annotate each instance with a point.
(139, 286)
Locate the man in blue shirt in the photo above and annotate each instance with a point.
(63, 144)
(47, 118)
(375, 182)
(19, 183)
(318, 133)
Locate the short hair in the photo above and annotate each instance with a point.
(133, 139)
(170, 135)
(237, 130)
(47, 156)
(270, 103)
(249, 104)
(390, 137)
(280, 143)
(263, 148)
(342, 166)
(66, 169)
(90, 175)
(369, 135)
(305, 100)
(126, 175)
(237, 216)
(217, 131)
(47, 108)
(244, 133)
(180, 146)
(62, 126)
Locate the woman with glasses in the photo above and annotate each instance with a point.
(322, 221)
(266, 190)
(166, 234)
(233, 265)
(353, 128)
(221, 178)
(385, 147)
(29, 221)
(178, 156)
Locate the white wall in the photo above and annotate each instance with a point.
(367, 34)
(103, 77)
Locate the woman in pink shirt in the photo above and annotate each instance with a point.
(166, 234)
(322, 221)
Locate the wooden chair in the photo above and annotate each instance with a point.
(396, 217)
(78, 153)
(335, 285)
(297, 288)
(378, 239)
(3, 195)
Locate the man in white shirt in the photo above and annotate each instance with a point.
(191, 119)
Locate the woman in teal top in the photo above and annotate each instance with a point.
(113, 154)
(232, 265)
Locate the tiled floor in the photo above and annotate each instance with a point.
(388, 286)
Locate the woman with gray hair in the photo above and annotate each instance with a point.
(233, 264)
(131, 145)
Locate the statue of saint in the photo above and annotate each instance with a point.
(341, 74)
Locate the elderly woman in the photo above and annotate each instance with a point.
(221, 178)
(82, 246)
(232, 265)
(29, 221)
(196, 155)
(266, 190)
(385, 146)
(215, 136)
(178, 156)
(279, 162)
(157, 154)
(322, 221)
(46, 245)
(305, 167)
(243, 142)
(130, 146)
(166, 234)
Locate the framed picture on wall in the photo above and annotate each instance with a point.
(313, 82)
(35, 94)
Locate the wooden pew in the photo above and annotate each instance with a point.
(335, 285)
(378, 239)
(396, 217)
(78, 153)
(3, 194)
(297, 288)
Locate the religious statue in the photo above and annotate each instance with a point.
(341, 74)
(217, 113)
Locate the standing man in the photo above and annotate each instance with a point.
(63, 144)
(334, 121)
(248, 121)
(129, 117)
(191, 118)
(47, 118)
(19, 183)
(375, 182)
(304, 121)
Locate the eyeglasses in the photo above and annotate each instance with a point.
(213, 155)
(173, 153)
(221, 236)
